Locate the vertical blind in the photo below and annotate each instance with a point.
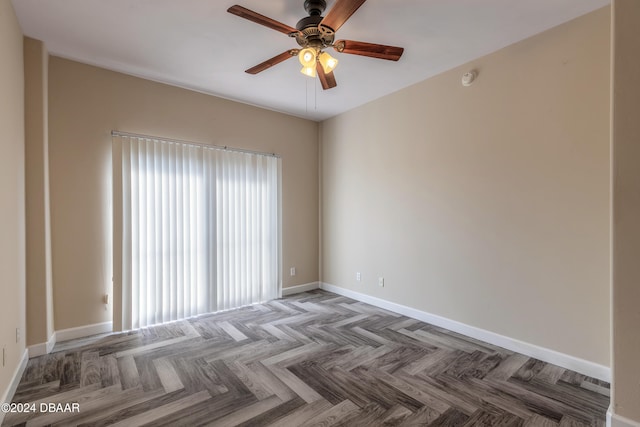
(200, 230)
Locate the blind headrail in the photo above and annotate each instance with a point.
(182, 141)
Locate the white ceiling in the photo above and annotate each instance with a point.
(196, 44)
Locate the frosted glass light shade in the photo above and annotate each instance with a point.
(308, 71)
(307, 57)
(327, 61)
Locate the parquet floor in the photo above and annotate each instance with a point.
(312, 359)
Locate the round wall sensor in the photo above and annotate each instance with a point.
(468, 78)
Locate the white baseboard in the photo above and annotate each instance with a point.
(42, 348)
(15, 380)
(69, 334)
(84, 331)
(615, 420)
(547, 355)
(300, 288)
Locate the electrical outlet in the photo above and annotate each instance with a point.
(105, 298)
(18, 335)
(381, 282)
(293, 271)
(358, 276)
(3, 356)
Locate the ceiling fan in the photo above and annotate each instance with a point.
(314, 34)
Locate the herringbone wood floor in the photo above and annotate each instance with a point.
(309, 359)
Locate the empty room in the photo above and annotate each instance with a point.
(320, 213)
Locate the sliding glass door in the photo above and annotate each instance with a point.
(199, 229)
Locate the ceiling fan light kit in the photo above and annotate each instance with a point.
(314, 34)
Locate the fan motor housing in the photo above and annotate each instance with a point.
(311, 33)
(308, 21)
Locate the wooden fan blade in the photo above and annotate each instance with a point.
(380, 51)
(273, 61)
(327, 80)
(245, 13)
(340, 12)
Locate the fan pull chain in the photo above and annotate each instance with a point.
(306, 96)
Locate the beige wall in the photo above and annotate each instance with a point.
(626, 209)
(487, 204)
(39, 290)
(86, 103)
(12, 191)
